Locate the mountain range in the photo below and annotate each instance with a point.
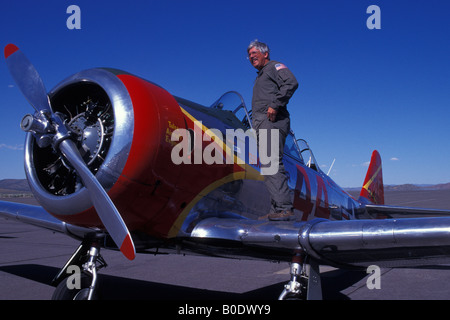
(14, 186)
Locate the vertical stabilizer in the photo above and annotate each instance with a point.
(373, 189)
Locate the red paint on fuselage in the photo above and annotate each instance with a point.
(303, 201)
(322, 205)
(152, 191)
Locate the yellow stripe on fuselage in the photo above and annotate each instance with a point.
(219, 142)
(248, 173)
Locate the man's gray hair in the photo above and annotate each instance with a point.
(261, 46)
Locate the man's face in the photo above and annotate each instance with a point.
(257, 59)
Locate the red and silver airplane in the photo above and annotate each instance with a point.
(98, 160)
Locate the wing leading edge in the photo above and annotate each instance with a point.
(37, 216)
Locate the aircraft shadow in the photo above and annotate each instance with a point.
(121, 288)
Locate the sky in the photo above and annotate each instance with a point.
(360, 89)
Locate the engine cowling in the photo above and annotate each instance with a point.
(119, 122)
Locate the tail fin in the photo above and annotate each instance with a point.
(373, 189)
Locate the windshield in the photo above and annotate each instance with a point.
(232, 101)
(307, 155)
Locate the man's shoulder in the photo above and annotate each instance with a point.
(276, 65)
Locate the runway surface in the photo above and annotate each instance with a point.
(30, 257)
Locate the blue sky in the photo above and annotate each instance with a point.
(360, 89)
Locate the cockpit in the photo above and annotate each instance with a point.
(298, 149)
(233, 102)
(307, 154)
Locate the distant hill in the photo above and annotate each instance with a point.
(15, 189)
(410, 187)
(15, 185)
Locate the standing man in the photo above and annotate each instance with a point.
(274, 86)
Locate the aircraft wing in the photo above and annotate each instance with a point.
(36, 215)
(343, 243)
(360, 243)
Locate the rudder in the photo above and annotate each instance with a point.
(373, 189)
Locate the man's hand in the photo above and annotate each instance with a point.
(271, 114)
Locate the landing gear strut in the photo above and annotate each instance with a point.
(77, 280)
(305, 279)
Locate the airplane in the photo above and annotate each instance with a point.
(99, 161)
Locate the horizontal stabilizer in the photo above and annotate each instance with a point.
(381, 212)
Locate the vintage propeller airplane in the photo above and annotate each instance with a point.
(98, 158)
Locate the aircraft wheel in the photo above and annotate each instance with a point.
(62, 291)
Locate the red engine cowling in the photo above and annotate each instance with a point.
(123, 125)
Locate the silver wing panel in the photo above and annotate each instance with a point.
(389, 242)
(37, 216)
(268, 234)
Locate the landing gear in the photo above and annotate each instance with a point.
(77, 280)
(305, 281)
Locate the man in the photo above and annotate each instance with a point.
(274, 86)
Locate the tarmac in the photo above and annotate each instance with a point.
(30, 257)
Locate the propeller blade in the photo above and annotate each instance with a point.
(30, 83)
(106, 210)
(27, 78)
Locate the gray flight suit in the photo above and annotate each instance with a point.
(274, 86)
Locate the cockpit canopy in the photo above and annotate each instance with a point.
(233, 102)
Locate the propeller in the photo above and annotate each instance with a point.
(49, 128)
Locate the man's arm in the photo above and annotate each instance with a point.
(287, 84)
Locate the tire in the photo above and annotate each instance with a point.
(62, 292)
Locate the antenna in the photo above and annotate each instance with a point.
(331, 167)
